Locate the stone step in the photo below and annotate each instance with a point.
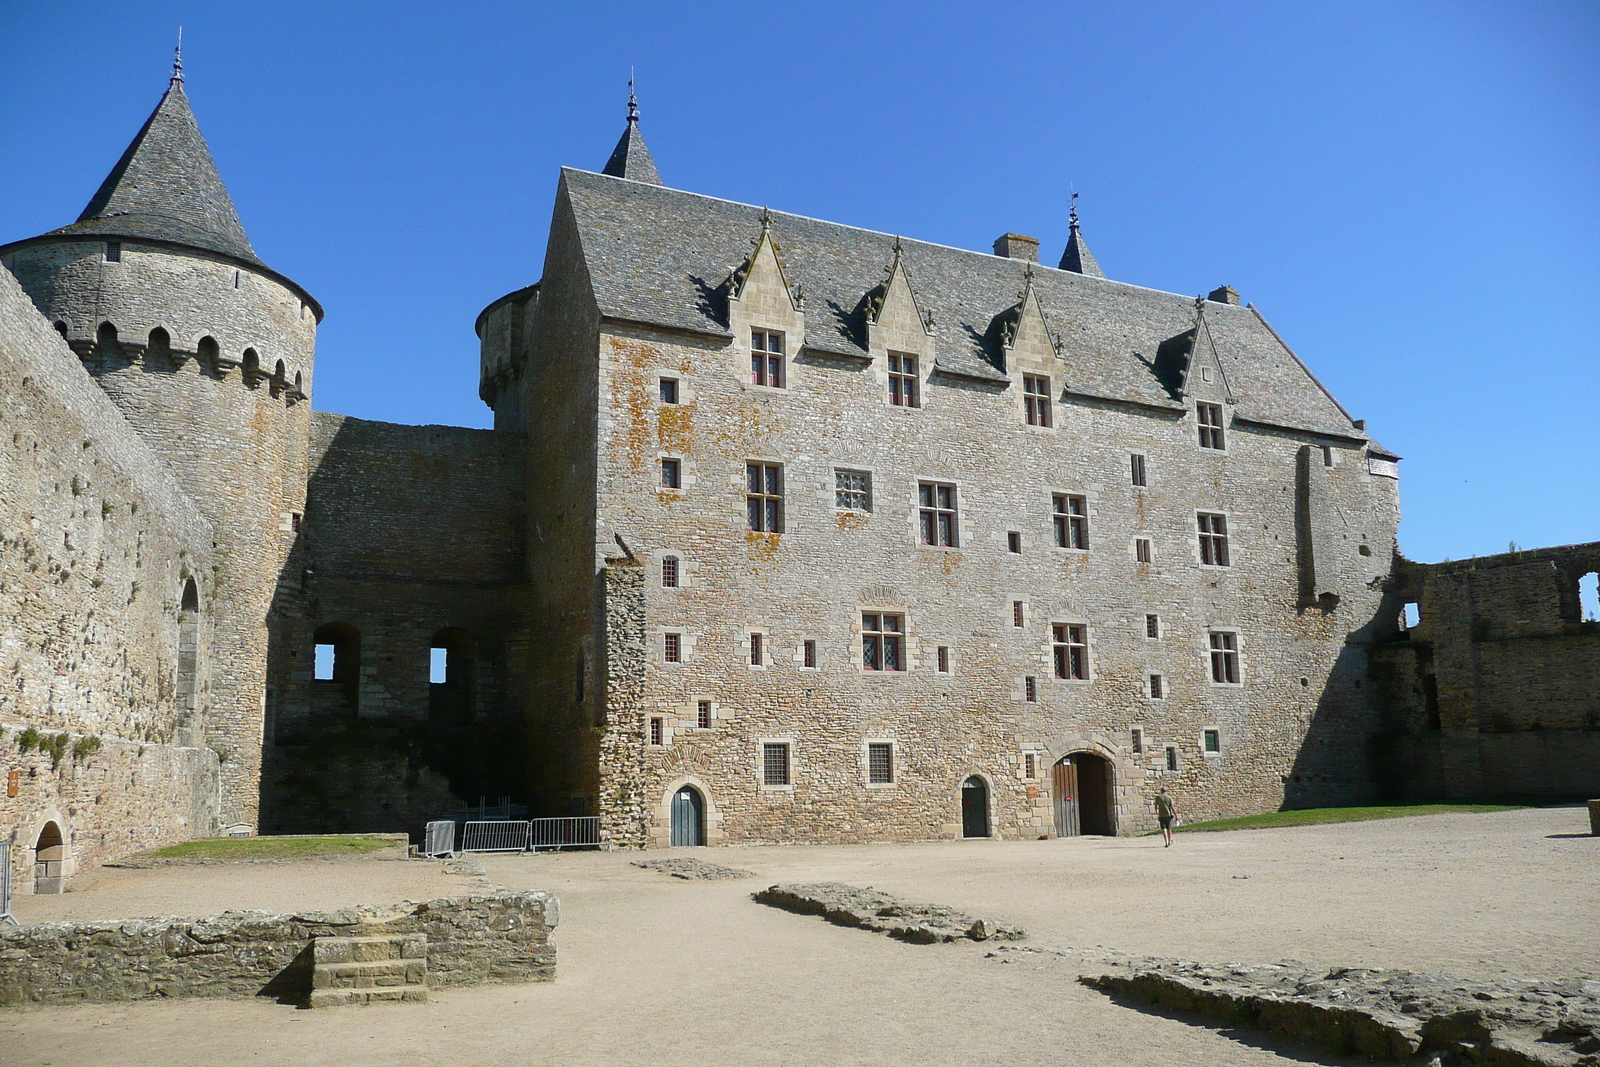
(334, 998)
(369, 949)
(378, 973)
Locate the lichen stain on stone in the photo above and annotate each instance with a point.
(763, 546)
(852, 520)
(675, 428)
(630, 400)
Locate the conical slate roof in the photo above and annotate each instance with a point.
(631, 159)
(166, 188)
(1077, 258)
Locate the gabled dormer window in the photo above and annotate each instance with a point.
(1036, 399)
(1209, 417)
(903, 380)
(766, 358)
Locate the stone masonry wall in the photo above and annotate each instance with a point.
(1496, 692)
(1293, 732)
(96, 547)
(408, 531)
(474, 940)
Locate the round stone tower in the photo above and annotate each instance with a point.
(208, 353)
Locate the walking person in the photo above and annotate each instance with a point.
(1165, 812)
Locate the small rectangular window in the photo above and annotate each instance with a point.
(1036, 399)
(881, 634)
(944, 659)
(880, 763)
(766, 358)
(1213, 741)
(1071, 517)
(322, 663)
(114, 252)
(658, 730)
(1152, 626)
(1172, 757)
(756, 650)
(809, 650)
(671, 474)
(1141, 549)
(669, 572)
(438, 665)
(1327, 455)
(1030, 765)
(903, 380)
(1137, 741)
(1070, 647)
(669, 390)
(1030, 689)
(703, 717)
(852, 490)
(1014, 541)
(1158, 687)
(1209, 417)
(937, 510)
(673, 648)
(1138, 470)
(775, 763)
(1224, 657)
(1017, 613)
(1213, 539)
(764, 497)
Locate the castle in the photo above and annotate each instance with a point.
(785, 531)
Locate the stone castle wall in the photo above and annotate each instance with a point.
(1293, 732)
(408, 531)
(96, 547)
(1496, 691)
(206, 395)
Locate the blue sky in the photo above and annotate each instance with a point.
(1407, 191)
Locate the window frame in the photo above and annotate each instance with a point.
(762, 504)
(1211, 422)
(864, 492)
(1139, 473)
(938, 514)
(674, 386)
(671, 474)
(657, 732)
(1155, 685)
(809, 659)
(705, 714)
(1171, 762)
(763, 764)
(1070, 527)
(1222, 653)
(890, 748)
(905, 388)
(1069, 651)
(1136, 740)
(672, 646)
(1030, 689)
(772, 370)
(1216, 549)
(1014, 542)
(671, 571)
(1036, 397)
(757, 652)
(1208, 735)
(1143, 551)
(942, 660)
(877, 641)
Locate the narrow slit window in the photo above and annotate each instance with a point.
(1141, 549)
(809, 652)
(757, 650)
(1224, 657)
(1030, 765)
(766, 358)
(764, 497)
(903, 380)
(937, 511)
(1172, 757)
(658, 730)
(1036, 399)
(1136, 741)
(1070, 649)
(437, 665)
(1138, 470)
(1071, 518)
(1017, 613)
(880, 763)
(775, 763)
(1213, 539)
(881, 637)
(1209, 417)
(1030, 689)
(944, 659)
(1152, 626)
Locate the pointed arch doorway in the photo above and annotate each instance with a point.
(688, 817)
(1082, 793)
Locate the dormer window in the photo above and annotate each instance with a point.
(903, 380)
(766, 358)
(1210, 419)
(1036, 399)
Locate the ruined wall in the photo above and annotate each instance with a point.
(1496, 691)
(96, 547)
(408, 531)
(1294, 732)
(187, 345)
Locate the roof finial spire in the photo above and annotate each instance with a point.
(633, 101)
(177, 58)
(1072, 216)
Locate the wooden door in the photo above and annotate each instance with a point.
(1066, 798)
(688, 812)
(974, 808)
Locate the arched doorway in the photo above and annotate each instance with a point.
(688, 817)
(974, 807)
(49, 854)
(1082, 793)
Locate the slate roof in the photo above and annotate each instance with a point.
(1077, 257)
(631, 159)
(166, 188)
(661, 256)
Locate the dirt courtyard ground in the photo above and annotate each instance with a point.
(654, 970)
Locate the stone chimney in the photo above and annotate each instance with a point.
(1224, 294)
(1016, 246)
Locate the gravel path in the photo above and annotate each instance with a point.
(664, 971)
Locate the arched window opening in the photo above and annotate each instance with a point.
(158, 350)
(207, 349)
(279, 379)
(974, 807)
(106, 344)
(61, 328)
(49, 858)
(452, 658)
(188, 657)
(1589, 597)
(252, 368)
(336, 674)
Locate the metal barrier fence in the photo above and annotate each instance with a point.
(510, 835)
(439, 839)
(5, 884)
(582, 831)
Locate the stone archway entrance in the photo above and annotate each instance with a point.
(1082, 792)
(49, 854)
(688, 817)
(974, 807)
